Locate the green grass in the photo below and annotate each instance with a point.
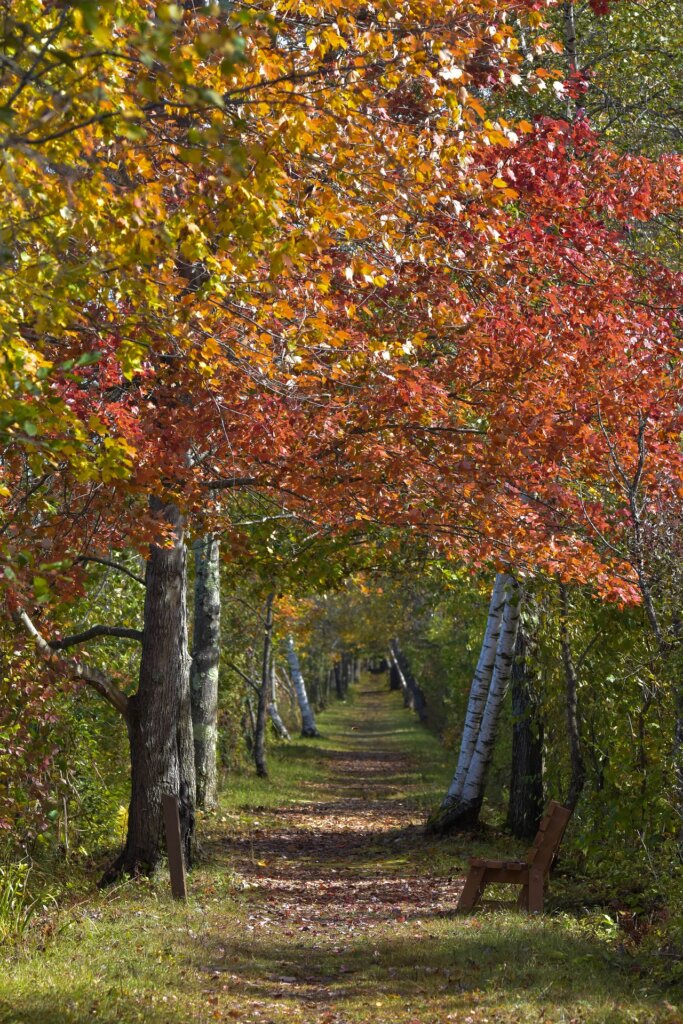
(317, 899)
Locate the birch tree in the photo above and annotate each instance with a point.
(464, 808)
(308, 726)
(204, 668)
(479, 688)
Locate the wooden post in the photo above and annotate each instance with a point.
(176, 861)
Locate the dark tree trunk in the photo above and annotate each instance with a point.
(394, 676)
(265, 691)
(525, 808)
(415, 697)
(159, 720)
(339, 680)
(204, 669)
(578, 768)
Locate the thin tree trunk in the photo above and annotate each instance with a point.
(308, 726)
(578, 768)
(525, 806)
(416, 698)
(403, 682)
(159, 718)
(279, 726)
(464, 811)
(274, 714)
(339, 681)
(479, 688)
(264, 689)
(204, 669)
(475, 781)
(394, 675)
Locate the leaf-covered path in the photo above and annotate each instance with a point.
(318, 900)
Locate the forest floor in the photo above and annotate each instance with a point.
(317, 900)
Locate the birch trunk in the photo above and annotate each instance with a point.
(204, 670)
(308, 726)
(479, 688)
(475, 780)
(279, 726)
(159, 719)
(464, 809)
(273, 712)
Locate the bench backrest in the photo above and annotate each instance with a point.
(549, 836)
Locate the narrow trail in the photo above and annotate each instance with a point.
(318, 900)
(340, 855)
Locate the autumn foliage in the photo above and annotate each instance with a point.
(297, 248)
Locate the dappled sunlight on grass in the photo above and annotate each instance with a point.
(318, 900)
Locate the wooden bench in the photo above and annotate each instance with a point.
(531, 873)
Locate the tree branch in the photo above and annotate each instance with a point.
(112, 565)
(246, 678)
(99, 681)
(95, 631)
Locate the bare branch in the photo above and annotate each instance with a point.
(245, 677)
(99, 681)
(89, 634)
(112, 565)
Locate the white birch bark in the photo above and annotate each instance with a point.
(206, 649)
(473, 786)
(399, 676)
(308, 726)
(279, 726)
(479, 688)
(273, 710)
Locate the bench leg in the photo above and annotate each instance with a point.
(523, 898)
(535, 903)
(471, 893)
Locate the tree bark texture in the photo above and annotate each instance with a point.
(463, 810)
(159, 718)
(479, 688)
(204, 669)
(308, 726)
(525, 807)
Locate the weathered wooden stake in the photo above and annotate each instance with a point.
(176, 861)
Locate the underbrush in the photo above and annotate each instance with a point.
(16, 905)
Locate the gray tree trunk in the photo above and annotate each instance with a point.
(159, 716)
(416, 699)
(308, 726)
(525, 806)
(265, 690)
(578, 767)
(206, 647)
(273, 712)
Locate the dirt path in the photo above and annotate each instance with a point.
(319, 901)
(342, 852)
